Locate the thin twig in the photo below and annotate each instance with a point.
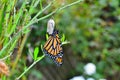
(76, 2)
(30, 67)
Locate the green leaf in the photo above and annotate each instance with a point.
(41, 5)
(3, 77)
(46, 36)
(63, 38)
(2, 17)
(36, 51)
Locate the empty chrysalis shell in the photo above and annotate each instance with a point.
(50, 26)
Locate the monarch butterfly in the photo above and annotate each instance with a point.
(53, 49)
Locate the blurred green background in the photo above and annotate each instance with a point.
(93, 29)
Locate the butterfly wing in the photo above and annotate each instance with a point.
(53, 49)
(58, 60)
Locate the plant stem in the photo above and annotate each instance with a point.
(76, 2)
(42, 10)
(30, 66)
(6, 57)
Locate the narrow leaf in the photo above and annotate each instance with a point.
(36, 51)
(65, 42)
(46, 36)
(2, 17)
(63, 38)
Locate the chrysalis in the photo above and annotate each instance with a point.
(50, 26)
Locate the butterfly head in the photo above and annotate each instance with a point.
(55, 32)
